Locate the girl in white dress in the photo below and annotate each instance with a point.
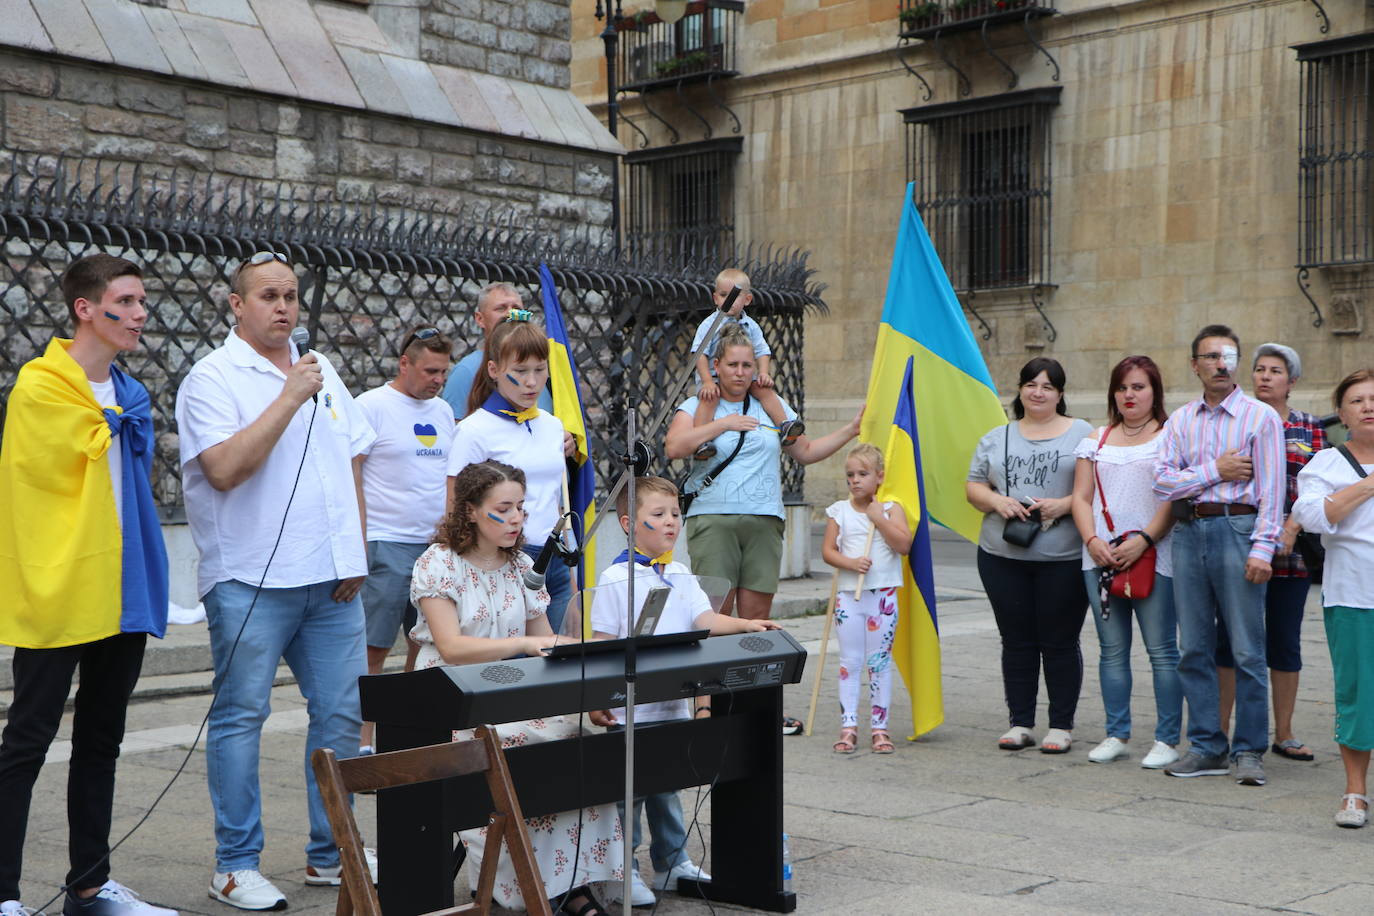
(473, 608)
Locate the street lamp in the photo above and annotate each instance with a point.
(611, 39)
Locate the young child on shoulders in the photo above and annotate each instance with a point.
(867, 623)
(763, 390)
(658, 522)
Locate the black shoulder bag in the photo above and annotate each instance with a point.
(685, 498)
(1020, 532)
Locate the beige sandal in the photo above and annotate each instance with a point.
(882, 742)
(849, 740)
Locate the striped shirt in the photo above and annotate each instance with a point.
(1197, 435)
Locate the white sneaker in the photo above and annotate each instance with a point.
(640, 895)
(667, 880)
(246, 889)
(1160, 756)
(1109, 750)
(333, 877)
(114, 898)
(15, 908)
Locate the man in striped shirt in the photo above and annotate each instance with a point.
(1221, 462)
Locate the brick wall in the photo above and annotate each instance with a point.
(53, 107)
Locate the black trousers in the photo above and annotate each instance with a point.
(42, 679)
(1039, 606)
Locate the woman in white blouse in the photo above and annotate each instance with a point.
(1121, 457)
(1334, 500)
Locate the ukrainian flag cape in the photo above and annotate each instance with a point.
(916, 645)
(954, 395)
(71, 574)
(567, 407)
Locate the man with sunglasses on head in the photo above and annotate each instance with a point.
(405, 483)
(1221, 463)
(271, 448)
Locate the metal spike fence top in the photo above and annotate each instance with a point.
(387, 267)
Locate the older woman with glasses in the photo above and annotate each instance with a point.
(1023, 472)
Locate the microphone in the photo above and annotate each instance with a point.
(301, 338)
(534, 576)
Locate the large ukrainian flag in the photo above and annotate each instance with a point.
(916, 646)
(956, 399)
(567, 407)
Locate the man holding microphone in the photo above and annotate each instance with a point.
(270, 446)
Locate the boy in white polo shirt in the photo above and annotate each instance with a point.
(405, 479)
(658, 522)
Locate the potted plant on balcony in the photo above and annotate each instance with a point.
(966, 9)
(682, 64)
(920, 16)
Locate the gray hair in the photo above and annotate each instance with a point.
(1287, 354)
(498, 286)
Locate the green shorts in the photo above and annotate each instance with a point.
(744, 550)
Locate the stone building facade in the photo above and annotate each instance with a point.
(1166, 142)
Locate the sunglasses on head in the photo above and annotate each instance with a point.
(421, 334)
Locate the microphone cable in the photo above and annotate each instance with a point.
(195, 742)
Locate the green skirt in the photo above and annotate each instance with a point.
(1350, 637)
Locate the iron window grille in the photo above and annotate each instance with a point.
(679, 200)
(982, 172)
(1336, 152)
(699, 46)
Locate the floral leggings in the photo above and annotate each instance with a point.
(866, 627)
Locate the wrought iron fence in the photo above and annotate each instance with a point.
(370, 273)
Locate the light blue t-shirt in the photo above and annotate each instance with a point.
(752, 483)
(459, 386)
(750, 326)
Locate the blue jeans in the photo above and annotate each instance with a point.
(1159, 630)
(558, 583)
(667, 831)
(322, 641)
(1209, 582)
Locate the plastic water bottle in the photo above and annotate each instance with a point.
(786, 864)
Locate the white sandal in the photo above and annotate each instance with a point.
(1056, 741)
(1017, 738)
(1349, 815)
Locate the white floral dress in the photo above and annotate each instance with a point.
(494, 604)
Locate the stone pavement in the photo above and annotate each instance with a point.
(948, 823)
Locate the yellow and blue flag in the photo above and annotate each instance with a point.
(567, 407)
(916, 645)
(956, 400)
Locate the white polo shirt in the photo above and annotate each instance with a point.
(535, 447)
(235, 530)
(405, 476)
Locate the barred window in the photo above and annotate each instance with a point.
(982, 174)
(682, 197)
(1336, 152)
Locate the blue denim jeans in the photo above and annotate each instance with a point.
(1209, 582)
(322, 641)
(1159, 630)
(667, 831)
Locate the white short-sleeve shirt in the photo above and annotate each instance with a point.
(686, 603)
(535, 447)
(1349, 543)
(405, 475)
(234, 530)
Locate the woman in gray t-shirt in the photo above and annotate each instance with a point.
(1036, 592)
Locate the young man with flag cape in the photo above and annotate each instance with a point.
(85, 572)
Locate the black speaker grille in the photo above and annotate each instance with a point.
(755, 644)
(502, 674)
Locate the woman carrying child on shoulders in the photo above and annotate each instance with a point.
(866, 621)
(474, 607)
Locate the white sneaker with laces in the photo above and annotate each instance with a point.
(1160, 756)
(246, 889)
(333, 877)
(640, 895)
(15, 908)
(667, 880)
(1109, 750)
(114, 898)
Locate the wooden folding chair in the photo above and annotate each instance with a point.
(482, 754)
